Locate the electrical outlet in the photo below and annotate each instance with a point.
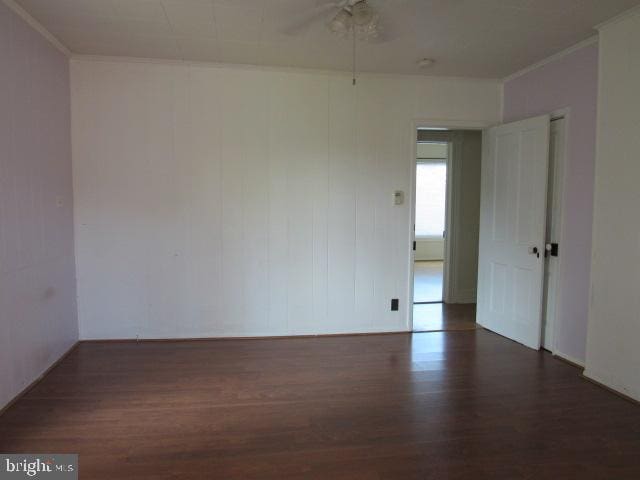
(395, 304)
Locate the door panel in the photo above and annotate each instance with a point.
(512, 225)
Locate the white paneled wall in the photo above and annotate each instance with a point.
(220, 201)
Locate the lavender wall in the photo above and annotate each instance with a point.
(38, 320)
(571, 81)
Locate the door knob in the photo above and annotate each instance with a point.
(551, 249)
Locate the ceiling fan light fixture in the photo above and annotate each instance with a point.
(425, 62)
(369, 31)
(341, 23)
(362, 14)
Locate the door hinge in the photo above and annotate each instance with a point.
(414, 245)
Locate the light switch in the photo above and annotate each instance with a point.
(398, 197)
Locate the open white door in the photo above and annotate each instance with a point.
(512, 229)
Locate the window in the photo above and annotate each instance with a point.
(431, 193)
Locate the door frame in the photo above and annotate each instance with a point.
(563, 113)
(438, 124)
(449, 242)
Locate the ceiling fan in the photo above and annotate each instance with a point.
(345, 18)
(357, 19)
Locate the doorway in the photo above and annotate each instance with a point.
(430, 208)
(446, 223)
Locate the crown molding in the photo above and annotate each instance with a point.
(618, 18)
(552, 58)
(37, 26)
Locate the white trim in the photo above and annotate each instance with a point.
(415, 125)
(552, 58)
(236, 335)
(611, 381)
(429, 238)
(618, 18)
(427, 123)
(452, 197)
(569, 358)
(501, 106)
(563, 113)
(37, 26)
(430, 161)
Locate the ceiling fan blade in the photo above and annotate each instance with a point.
(388, 25)
(304, 21)
(386, 33)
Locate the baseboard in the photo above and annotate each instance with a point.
(569, 359)
(25, 390)
(269, 337)
(600, 383)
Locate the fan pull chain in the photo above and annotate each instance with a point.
(353, 29)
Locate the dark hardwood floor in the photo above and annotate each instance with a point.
(455, 405)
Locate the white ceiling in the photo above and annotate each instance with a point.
(475, 38)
